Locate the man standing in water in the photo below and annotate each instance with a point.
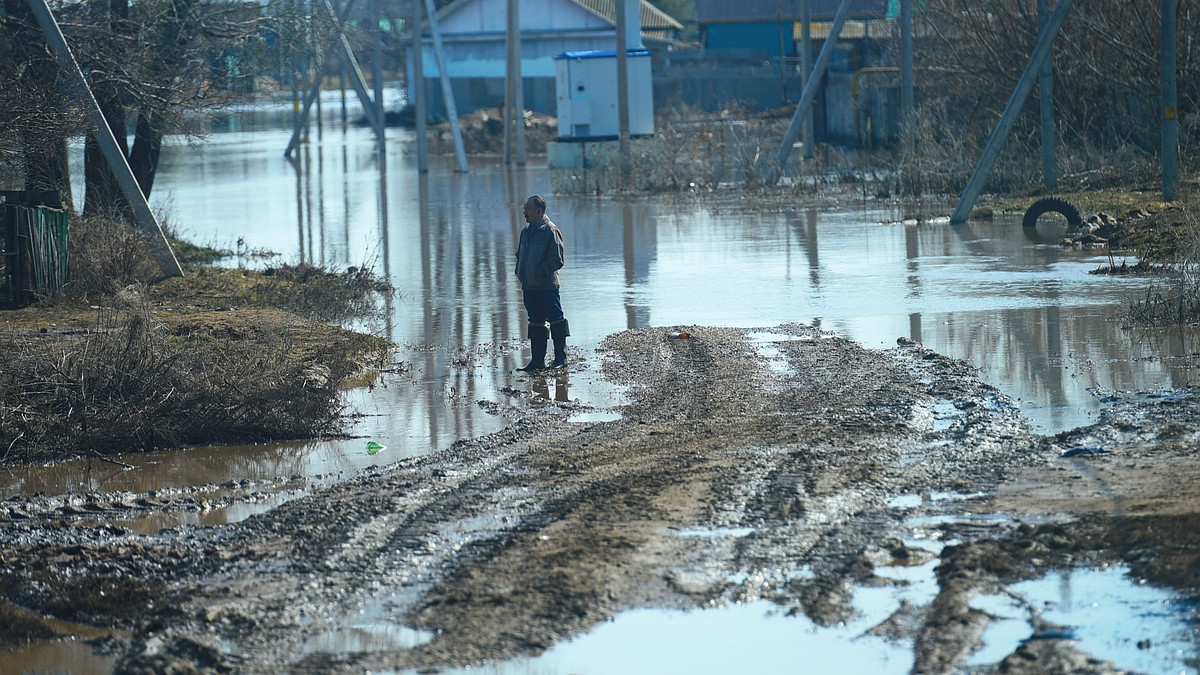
(539, 257)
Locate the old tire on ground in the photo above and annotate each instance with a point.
(1052, 205)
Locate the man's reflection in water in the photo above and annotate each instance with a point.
(541, 387)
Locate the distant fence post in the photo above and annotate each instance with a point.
(35, 244)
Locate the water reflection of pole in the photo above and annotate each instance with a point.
(308, 196)
(812, 249)
(912, 253)
(346, 199)
(433, 404)
(295, 162)
(628, 250)
(385, 251)
(320, 199)
(514, 186)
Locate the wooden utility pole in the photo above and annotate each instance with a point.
(347, 63)
(514, 90)
(809, 134)
(416, 89)
(622, 90)
(1046, 92)
(1170, 99)
(772, 171)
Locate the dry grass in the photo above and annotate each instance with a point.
(220, 355)
(1174, 299)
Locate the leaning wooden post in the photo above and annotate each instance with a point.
(159, 245)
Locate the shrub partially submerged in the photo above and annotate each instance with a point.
(134, 383)
(216, 356)
(1170, 242)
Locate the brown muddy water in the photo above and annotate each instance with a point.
(1009, 301)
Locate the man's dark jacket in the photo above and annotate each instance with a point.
(540, 256)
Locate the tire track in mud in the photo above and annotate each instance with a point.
(505, 545)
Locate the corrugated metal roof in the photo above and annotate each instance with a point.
(722, 11)
(652, 17)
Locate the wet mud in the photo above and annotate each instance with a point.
(506, 545)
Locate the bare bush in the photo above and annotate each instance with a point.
(1176, 300)
(1106, 93)
(318, 293)
(106, 256)
(130, 384)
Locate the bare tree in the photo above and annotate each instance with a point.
(1106, 85)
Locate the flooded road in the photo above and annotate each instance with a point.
(1013, 303)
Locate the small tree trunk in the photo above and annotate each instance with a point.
(143, 158)
(102, 193)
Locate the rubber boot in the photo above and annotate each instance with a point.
(560, 330)
(537, 343)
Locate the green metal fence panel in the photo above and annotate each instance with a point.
(35, 251)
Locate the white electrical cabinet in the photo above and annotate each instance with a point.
(586, 89)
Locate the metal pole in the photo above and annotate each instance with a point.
(159, 246)
(906, 74)
(416, 88)
(772, 172)
(1170, 125)
(377, 73)
(447, 91)
(809, 136)
(511, 30)
(1046, 92)
(518, 86)
(991, 152)
(622, 90)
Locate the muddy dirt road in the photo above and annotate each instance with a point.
(506, 545)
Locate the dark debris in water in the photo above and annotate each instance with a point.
(1084, 451)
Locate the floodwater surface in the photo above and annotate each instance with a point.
(1010, 301)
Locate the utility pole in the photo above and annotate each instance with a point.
(772, 172)
(1170, 125)
(416, 89)
(810, 138)
(1046, 92)
(349, 64)
(460, 153)
(622, 90)
(514, 90)
(906, 74)
(377, 72)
